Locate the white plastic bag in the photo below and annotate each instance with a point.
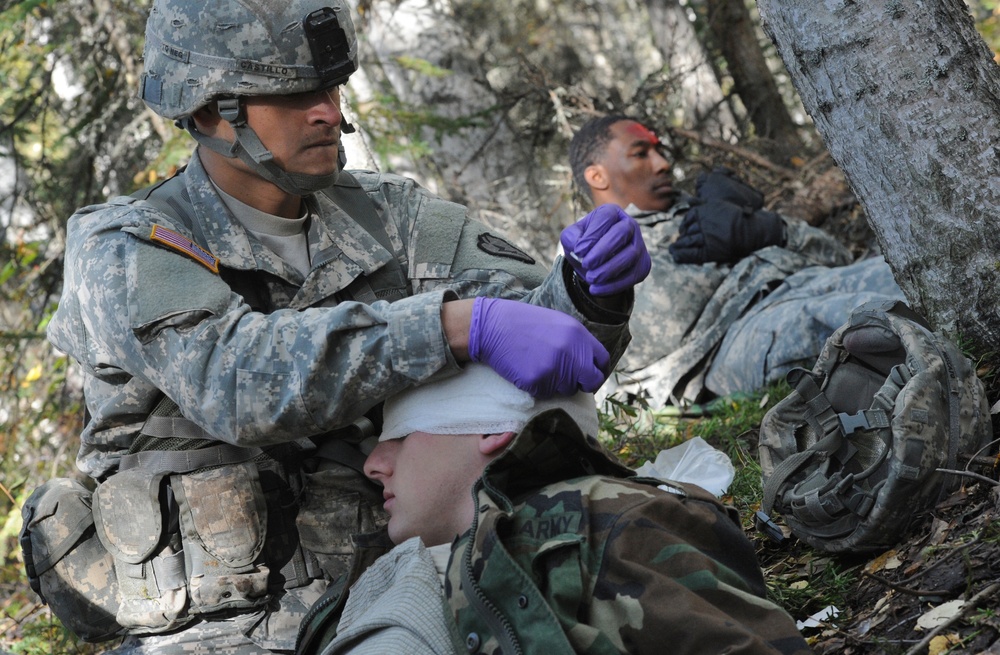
(693, 461)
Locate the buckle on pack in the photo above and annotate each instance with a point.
(866, 419)
(768, 528)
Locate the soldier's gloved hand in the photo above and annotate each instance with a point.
(719, 231)
(541, 351)
(721, 183)
(606, 250)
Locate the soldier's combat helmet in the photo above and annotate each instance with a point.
(203, 51)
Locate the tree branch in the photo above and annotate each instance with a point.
(968, 607)
(750, 156)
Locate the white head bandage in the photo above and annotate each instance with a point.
(476, 401)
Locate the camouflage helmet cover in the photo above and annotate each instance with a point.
(199, 50)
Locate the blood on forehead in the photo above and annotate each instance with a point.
(641, 133)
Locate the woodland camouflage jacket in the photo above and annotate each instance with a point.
(569, 553)
(567, 556)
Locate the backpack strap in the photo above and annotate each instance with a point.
(824, 418)
(954, 409)
(788, 467)
(387, 282)
(901, 309)
(186, 461)
(833, 430)
(821, 416)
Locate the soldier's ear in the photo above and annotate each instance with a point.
(494, 444)
(596, 177)
(206, 119)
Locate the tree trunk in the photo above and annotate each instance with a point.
(734, 34)
(907, 97)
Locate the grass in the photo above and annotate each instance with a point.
(808, 584)
(636, 433)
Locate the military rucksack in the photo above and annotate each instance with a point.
(852, 454)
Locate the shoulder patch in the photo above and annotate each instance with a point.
(182, 244)
(494, 245)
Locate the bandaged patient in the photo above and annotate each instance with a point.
(515, 531)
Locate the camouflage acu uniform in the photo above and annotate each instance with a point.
(683, 312)
(256, 356)
(570, 554)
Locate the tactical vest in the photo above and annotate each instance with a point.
(192, 527)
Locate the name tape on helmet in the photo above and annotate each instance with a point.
(287, 71)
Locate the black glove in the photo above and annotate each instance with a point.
(722, 184)
(719, 231)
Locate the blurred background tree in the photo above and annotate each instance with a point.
(476, 100)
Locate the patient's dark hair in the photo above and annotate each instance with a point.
(589, 143)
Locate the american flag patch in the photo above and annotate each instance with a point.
(181, 243)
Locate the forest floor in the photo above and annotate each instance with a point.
(938, 590)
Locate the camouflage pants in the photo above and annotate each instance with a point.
(259, 633)
(790, 325)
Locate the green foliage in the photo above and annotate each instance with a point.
(812, 584)
(396, 127)
(175, 152)
(422, 66)
(49, 637)
(67, 107)
(636, 433)
(59, 99)
(39, 419)
(987, 16)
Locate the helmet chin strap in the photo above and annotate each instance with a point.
(249, 148)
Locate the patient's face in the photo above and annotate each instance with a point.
(637, 169)
(427, 481)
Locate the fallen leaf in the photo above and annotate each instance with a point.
(940, 614)
(942, 643)
(883, 601)
(879, 562)
(958, 498)
(799, 584)
(33, 375)
(939, 532)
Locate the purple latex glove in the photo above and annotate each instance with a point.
(606, 250)
(541, 351)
